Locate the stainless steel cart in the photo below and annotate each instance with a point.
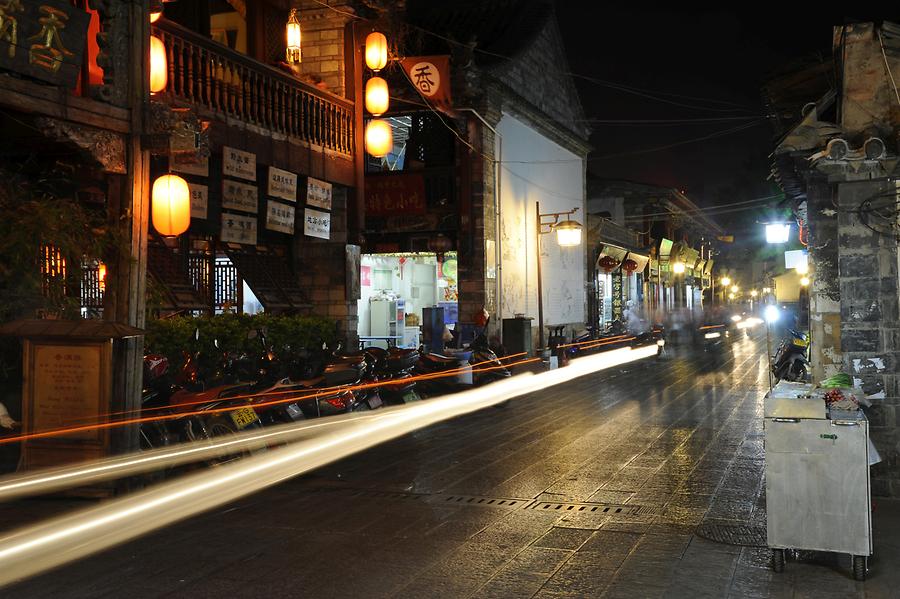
(817, 477)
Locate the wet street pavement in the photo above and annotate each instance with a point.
(610, 486)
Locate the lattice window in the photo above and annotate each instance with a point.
(53, 272)
(93, 286)
(227, 286)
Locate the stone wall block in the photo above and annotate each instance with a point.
(860, 340)
(861, 311)
(858, 266)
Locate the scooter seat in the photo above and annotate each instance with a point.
(337, 374)
(439, 360)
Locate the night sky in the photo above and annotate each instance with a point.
(705, 64)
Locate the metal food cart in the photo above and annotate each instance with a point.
(817, 477)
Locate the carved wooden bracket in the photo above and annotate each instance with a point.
(104, 147)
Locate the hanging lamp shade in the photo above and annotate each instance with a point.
(159, 67)
(379, 138)
(171, 205)
(568, 233)
(156, 10)
(377, 96)
(376, 51)
(292, 53)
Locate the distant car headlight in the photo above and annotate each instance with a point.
(712, 335)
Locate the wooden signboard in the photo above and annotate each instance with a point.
(44, 40)
(190, 164)
(199, 200)
(237, 163)
(282, 184)
(389, 195)
(240, 196)
(318, 193)
(237, 228)
(280, 217)
(67, 383)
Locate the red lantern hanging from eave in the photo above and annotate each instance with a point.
(629, 265)
(607, 263)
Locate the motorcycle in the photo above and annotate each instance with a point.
(791, 362)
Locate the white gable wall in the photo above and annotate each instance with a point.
(536, 169)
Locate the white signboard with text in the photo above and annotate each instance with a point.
(280, 217)
(199, 200)
(237, 228)
(318, 193)
(237, 163)
(317, 224)
(282, 184)
(239, 196)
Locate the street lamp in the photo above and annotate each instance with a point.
(804, 281)
(753, 293)
(726, 281)
(568, 234)
(778, 232)
(734, 289)
(678, 268)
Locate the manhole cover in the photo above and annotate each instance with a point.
(734, 534)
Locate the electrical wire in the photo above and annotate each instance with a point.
(700, 209)
(722, 133)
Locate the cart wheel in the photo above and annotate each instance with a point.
(778, 560)
(859, 567)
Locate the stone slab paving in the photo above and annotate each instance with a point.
(611, 476)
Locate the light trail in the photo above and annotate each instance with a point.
(314, 393)
(34, 549)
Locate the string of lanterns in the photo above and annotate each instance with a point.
(379, 136)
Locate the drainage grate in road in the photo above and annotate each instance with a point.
(502, 502)
(585, 508)
(734, 534)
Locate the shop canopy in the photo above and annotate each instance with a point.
(620, 254)
(268, 273)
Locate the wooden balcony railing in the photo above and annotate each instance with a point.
(210, 76)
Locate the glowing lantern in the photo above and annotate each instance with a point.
(156, 10)
(159, 67)
(376, 51)
(607, 263)
(568, 233)
(377, 96)
(171, 205)
(629, 265)
(379, 138)
(678, 267)
(293, 38)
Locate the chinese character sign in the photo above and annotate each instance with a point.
(431, 77)
(280, 217)
(239, 196)
(199, 200)
(390, 195)
(318, 193)
(237, 228)
(282, 184)
(66, 388)
(44, 40)
(317, 224)
(237, 163)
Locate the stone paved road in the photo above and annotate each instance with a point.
(597, 489)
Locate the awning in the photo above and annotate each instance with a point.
(665, 249)
(615, 252)
(269, 275)
(698, 269)
(640, 259)
(707, 269)
(689, 256)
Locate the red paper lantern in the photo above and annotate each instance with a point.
(607, 263)
(629, 265)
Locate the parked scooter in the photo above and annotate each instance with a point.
(791, 362)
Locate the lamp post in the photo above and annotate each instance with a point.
(568, 234)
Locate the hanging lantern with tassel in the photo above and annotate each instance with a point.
(379, 138)
(170, 205)
(292, 52)
(159, 68)
(377, 96)
(376, 51)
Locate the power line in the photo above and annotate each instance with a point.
(680, 143)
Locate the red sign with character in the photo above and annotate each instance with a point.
(389, 195)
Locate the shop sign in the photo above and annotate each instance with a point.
(199, 200)
(237, 163)
(317, 224)
(237, 228)
(280, 217)
(617, 306)
(318, 193)
(66, 388)
(238, 196)
(431, 77)
(190, 164)
(365, 276)
(282, 184)
(44, 40)
(395, 194)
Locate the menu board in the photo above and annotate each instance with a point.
(237, 163)
(67, 388)
(237, 228)
(280, 217)
(282, 184)
(239, 196)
